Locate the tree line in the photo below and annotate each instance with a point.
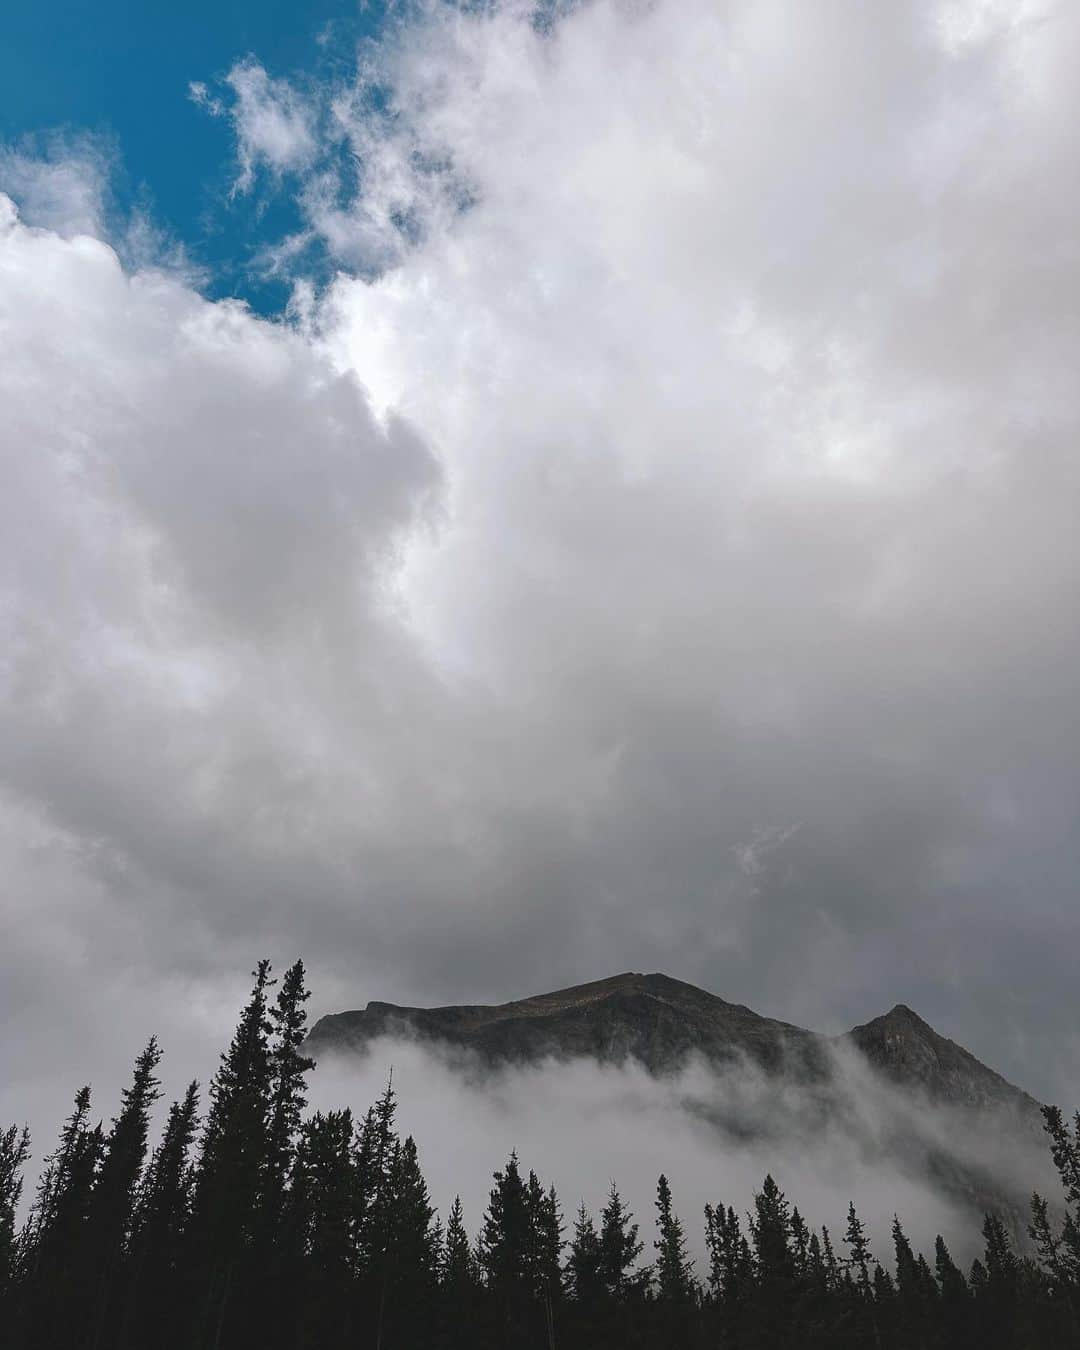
(253, 1223)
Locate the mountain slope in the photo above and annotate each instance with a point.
(651, 1018)
(909, 1052)
(658, 1021)
(892, 1089)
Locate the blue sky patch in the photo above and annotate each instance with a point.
(120, 72)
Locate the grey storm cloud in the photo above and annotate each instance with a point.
(663, 557)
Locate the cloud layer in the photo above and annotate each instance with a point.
(715, 1132)
(655, 550)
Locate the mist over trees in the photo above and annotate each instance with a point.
(259, 1223)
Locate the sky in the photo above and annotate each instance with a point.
(493, 499)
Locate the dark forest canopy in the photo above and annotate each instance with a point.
(252, 1223)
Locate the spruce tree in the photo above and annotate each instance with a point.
(770, 1229)
(544, 1274)
(505, 1234)
(583, 1276)
(287, 1091)
(277, 1255)
(1060, 1251)
(828, 1256)
(858, 1245)
(674, 1268)
(412, 1239)
(55, 1178)
(950, 1278)
(730, 1259)
(459, 1278)
(954, 1302)
(800, 1244)
(1002, 1265)
(816, 1273)
(14, 1152)
(58, 1281)
(112, 1208)
(504, 1251)
(232, 1169)
(545, 1242)
(159, 1223)
(318, 1233)
(457, 1270)
(619, 1247)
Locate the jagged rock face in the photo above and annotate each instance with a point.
(910, 1052)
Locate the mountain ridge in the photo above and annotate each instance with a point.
(660, 1021)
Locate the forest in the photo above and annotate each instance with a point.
(255, 1223)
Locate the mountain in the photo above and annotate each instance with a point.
(659, 1021)
(891, 1089)
(910, 1053)
(651, 1018)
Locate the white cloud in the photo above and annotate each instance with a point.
(713, 471)
(714, 1131)
(274, 126)
(61, 186)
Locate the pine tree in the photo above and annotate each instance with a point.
(1065, 1151)
(619, 1247)
(545, 1247)
(457, 1270)
(58, 1280)
(583, 1275)
(1002, 1266)
(159, 1222)
(674, 1268)
(460, 1295)
(800, 1245)
(832, 1266)
(911, 1286)
(545, 1244)
(770, 1229)
(950, 1279)
(505, 1234)
(859, 1247)
(816, 1272)
(882, 1283)
(954, 1303)
(112, 1208)
(317, 1231)
(277, 1255)
(232, 1167)
(413, 1241)
(366, 1182)
(1060, 1252)
(55, 1177)
(14, 1153)
(504, 1249)
(1002, 1282)
(730, 1260)
(288, 1094)
(906, 1269)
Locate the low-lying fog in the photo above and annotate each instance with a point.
(714, 1132)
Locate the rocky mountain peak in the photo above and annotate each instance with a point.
(905, 1048)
